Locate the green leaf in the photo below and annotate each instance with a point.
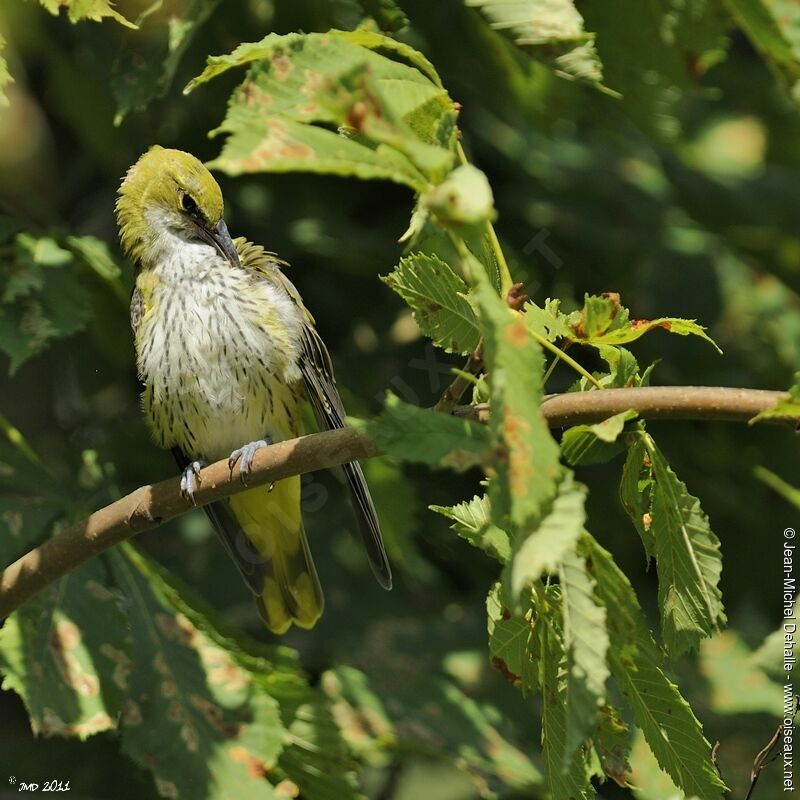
(586, 644)
(472, 521)
(146, 66)
(774, 30)
(787, 407)
(438, 300)
(547, 321)
(67, 654)
(738, 684)
(5, 75)
(193, 716)
(672, 731)
(426, 712)
(566, 772)
(94, 10)
(394, 122)
(688, 560)
(386, 13)
(603, 320)
(635, 490)
(551, 30)
(315, 758)
(526, 464)
(421, 435)
(41, 298)
(613, 746)
(512, 644)
(595, 444)
(543, 550)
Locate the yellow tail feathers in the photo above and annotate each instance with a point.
(272, 522)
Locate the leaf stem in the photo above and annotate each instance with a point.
(506, 281)
(14, 435)
(559, 353)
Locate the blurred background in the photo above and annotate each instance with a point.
(690, 210)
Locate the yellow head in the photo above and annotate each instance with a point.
(168, 195)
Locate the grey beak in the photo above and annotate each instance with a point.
(224, 243)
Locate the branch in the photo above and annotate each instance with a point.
(150, 506)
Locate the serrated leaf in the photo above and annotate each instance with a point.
(193, 716)
(586, 645)
(672, 731)
(512, 643)
(787, 407)
(552, 30)
(421, 435)
(635, 494)
(438, 300)
(472, 521)
(94, 10)
(603, 320)
(527, 467)
(547, 321)
(394, 122)
(543, 550)
(67, 654)
(598, 443)
(688, 560)
(386, 13)
(567, 774)
(145, 69)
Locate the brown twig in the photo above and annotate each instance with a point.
(455, 391)
(150, 506)
(768, 754)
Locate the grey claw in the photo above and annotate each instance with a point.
(243, 456)
(190, 480)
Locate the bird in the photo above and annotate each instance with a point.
(227, 354)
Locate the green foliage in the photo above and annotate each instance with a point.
(687, 557)
(5, 76)
(553, 31)
(394, 121)
(68, 655)
(668, 724)
(40, 299)
(688, 211)
(78, 10)
(787, 408)
(472, 521)
(146, 67)
(439, 301)
(598, 443)
(416, 434)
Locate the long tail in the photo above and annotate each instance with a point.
(263, 532)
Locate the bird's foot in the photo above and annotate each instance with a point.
(243, 456)
(190, 480)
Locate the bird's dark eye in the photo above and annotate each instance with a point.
(188, 203)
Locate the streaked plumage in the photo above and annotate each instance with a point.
(227, 353)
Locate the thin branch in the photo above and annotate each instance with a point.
(651, 402)
(455, 391)
(150, 506)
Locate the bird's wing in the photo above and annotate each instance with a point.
(317, 371)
